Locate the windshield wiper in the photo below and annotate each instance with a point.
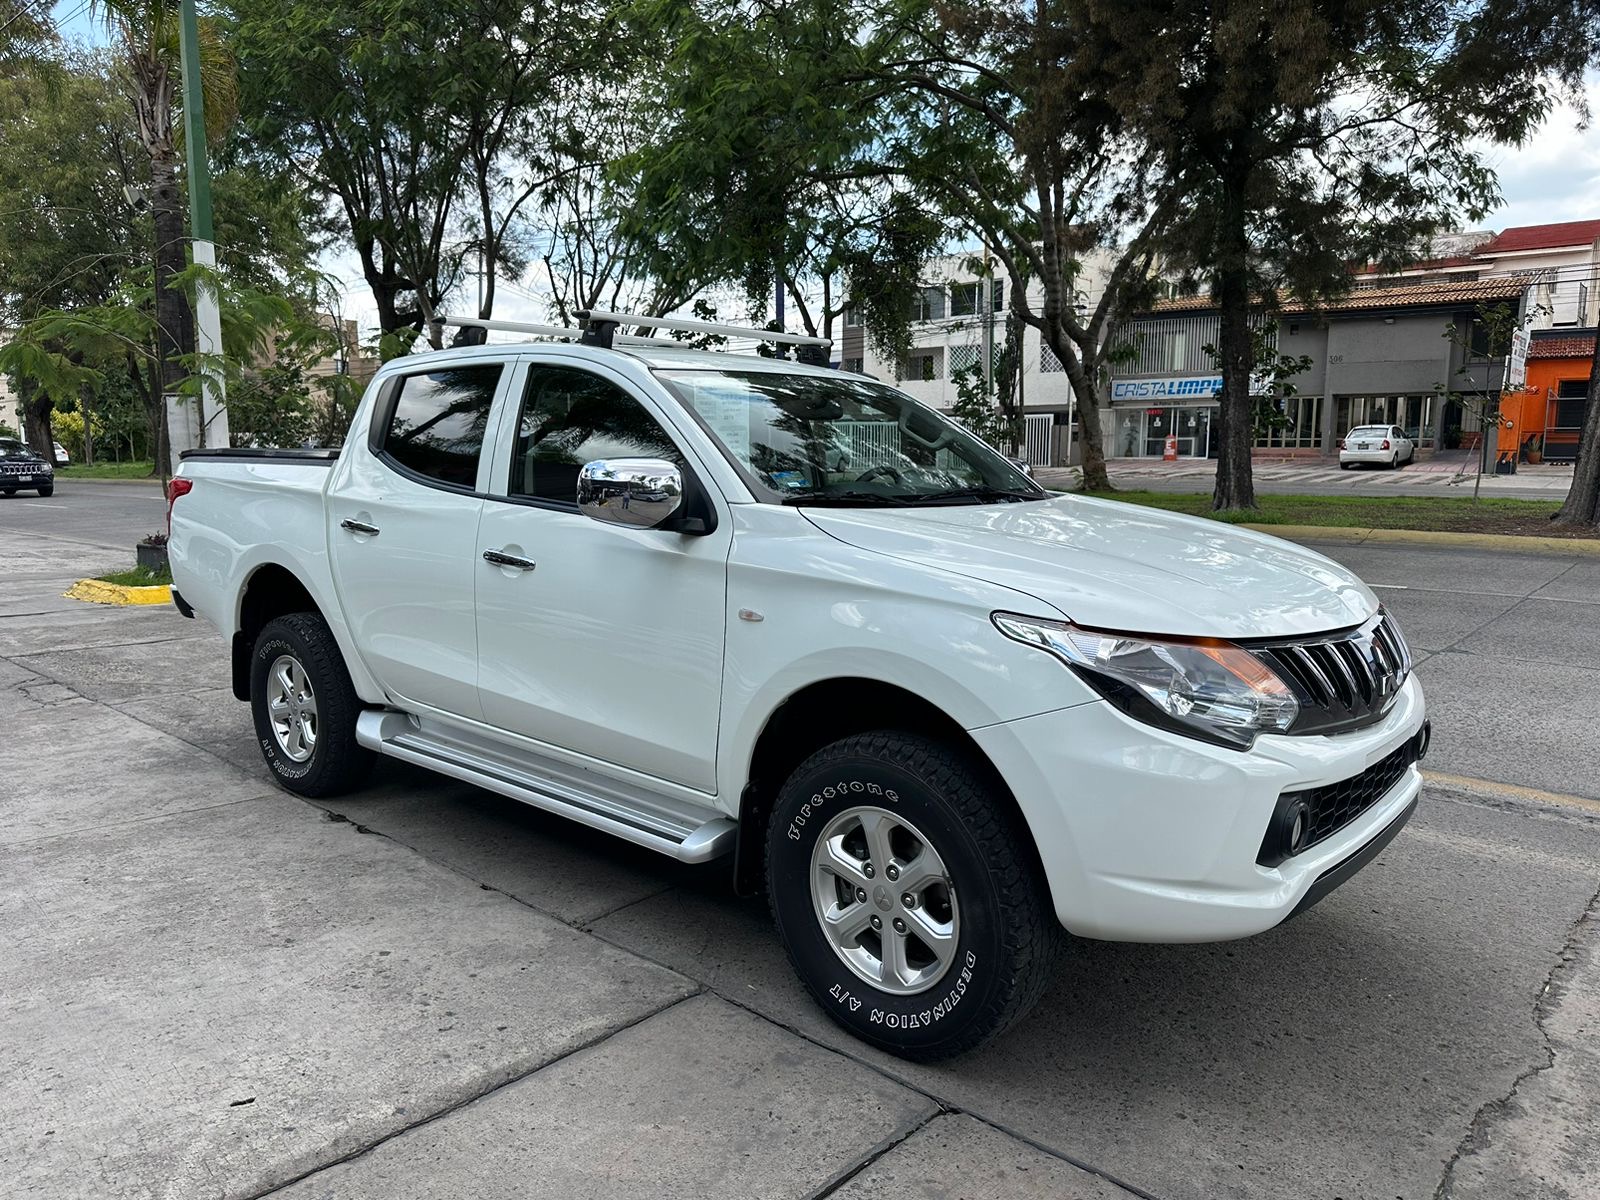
(842, 498)
(980, 492)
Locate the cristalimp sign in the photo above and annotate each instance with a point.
(1176, 387)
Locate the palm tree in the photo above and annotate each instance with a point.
(147, 32)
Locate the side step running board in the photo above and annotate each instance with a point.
(579, 795)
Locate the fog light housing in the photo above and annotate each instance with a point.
(1287, 832)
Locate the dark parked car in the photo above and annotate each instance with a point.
(20, 467)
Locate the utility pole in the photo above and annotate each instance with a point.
(210, 423)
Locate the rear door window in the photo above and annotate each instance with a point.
(437, 421)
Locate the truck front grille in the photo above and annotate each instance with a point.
(1344, 680)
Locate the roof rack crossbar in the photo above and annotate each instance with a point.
(594, 316)
(600, 329)
(566, 331)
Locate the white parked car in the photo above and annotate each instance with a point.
(1381, 445)
(63, 459)
(937, 713)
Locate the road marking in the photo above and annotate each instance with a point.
(1393, 587)
(1468, 783)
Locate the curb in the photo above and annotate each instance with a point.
(97, 591)
(1568, 547)
(148, 481)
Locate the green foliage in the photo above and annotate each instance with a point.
(980, 414)
(1272, 378)
(270, 407)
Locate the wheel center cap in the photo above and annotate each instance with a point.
(883, 898)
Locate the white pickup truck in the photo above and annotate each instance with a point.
(721, 604)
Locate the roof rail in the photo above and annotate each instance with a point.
(600, 329)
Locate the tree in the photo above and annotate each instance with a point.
(66, 231)
(1303, 136)
(429, 126)
(147, 33)
(889, 127)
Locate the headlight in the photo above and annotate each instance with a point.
(1202, 687)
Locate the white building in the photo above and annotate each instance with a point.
(950, 327)
(1562, 261)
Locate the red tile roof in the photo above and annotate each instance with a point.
(1426, 264)
(1562, 347)
(1369, 299)
(1542, 237)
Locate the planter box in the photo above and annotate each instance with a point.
(151, 558)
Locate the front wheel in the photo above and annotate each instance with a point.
(907, 895)
(305, 707)
(48, 491)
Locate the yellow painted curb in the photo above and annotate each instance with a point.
(1568, 547)
(97, 591)
(1489, 787)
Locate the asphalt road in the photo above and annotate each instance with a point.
(212, 988)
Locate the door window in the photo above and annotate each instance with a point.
(569, 418)
(437, 421)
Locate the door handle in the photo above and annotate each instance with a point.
(359, 527)
(500, 558)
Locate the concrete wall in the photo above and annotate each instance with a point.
(1367, 356)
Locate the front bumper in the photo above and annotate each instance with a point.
(1150, 836)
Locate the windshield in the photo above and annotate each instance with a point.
(11, 448)
(810, 439)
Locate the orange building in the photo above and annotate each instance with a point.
(1546, 415)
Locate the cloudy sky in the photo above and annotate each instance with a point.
(1554, 177)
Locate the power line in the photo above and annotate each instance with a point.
(22, 11)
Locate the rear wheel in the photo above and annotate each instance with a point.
(305, 707)
(907, 895)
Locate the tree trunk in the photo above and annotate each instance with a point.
(36, 409)
(1095, 478)
(1582, 506)
(174, 317)
(1235, 487)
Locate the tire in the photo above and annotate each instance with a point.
(329, 761)
(48, 491)
(987, 895)
(1345, 466)
(8, 491)
(1394, 463)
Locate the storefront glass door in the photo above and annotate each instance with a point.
(1143, 432)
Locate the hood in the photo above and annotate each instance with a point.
(1110, 565)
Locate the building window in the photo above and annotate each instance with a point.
(1299, 424)
(963, 358)
(922, 365)
(1048, 362)
(963, 301)
(927, 304)
(856, 366)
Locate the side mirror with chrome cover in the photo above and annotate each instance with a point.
(645, 493)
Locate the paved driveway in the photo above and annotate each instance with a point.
(210, 988)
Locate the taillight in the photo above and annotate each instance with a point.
(176, 487)
(1385, 443)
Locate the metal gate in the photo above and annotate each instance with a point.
(1037, 436)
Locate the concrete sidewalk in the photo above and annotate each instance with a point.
(214, 989)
